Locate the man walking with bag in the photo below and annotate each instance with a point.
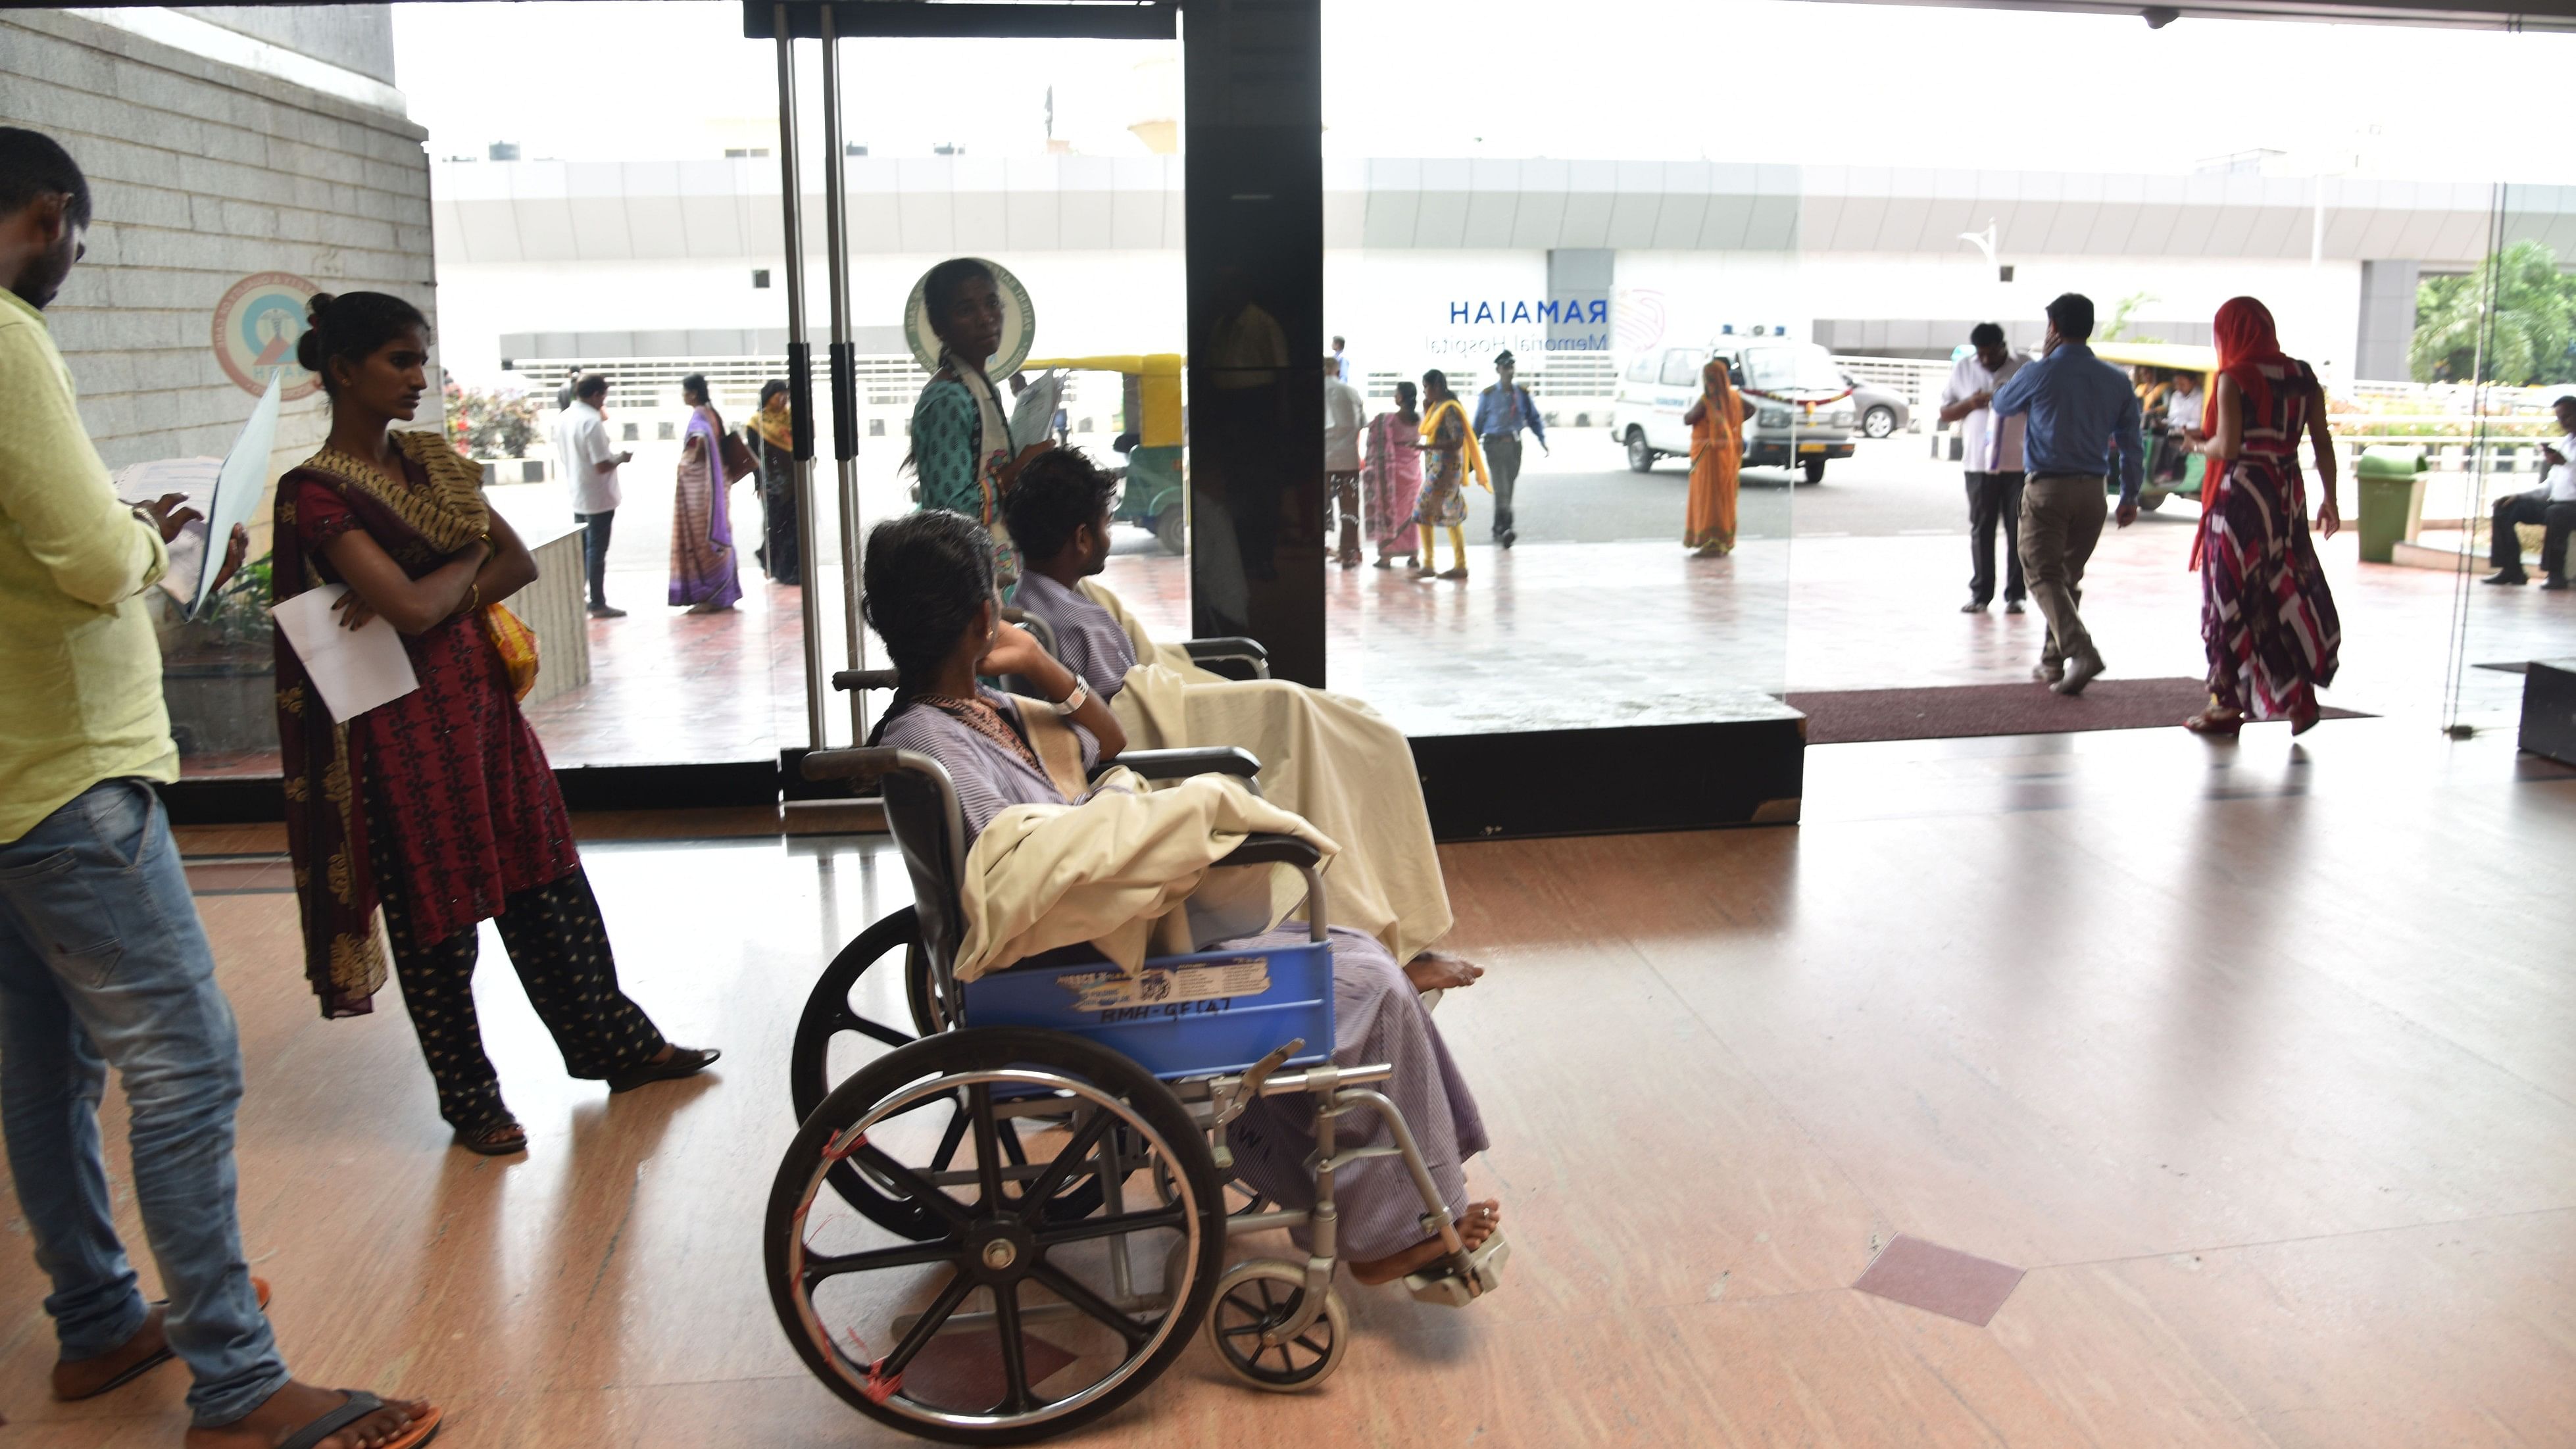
(2082, 415)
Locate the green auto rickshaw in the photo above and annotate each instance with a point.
(2172, 469)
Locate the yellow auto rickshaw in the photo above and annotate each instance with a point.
(1150, 401)
(2167, 473)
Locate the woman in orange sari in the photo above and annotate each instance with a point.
(1717, 453)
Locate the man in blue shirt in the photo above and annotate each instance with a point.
(2082, 415)
(1502, 410)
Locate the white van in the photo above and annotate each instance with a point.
(1802, 404)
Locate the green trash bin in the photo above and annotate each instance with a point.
(2389, 477)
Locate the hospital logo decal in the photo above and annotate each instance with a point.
(256, 327)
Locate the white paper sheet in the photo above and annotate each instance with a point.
(355, 669)
(239, 487)
(1033, 411)
(195, 478)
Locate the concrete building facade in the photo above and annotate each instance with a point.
(555, 260)
(221, 145)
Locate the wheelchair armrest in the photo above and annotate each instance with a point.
(1229, 650)
(848, 679)
(852, 764)
(1265, 849)
(1181, 764)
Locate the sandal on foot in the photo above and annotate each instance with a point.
(151, 1361)
(2215, 722)
(502, 1137)
(359, 1405)
(682, 1062)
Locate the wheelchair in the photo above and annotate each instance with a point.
(1028, 1208)
(829, 1012)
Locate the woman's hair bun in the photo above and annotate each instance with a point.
(320, 303)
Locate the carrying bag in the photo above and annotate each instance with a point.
(516, 643)
(736, 459)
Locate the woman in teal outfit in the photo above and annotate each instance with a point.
(961, 438)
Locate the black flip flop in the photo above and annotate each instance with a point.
(146, 1365)
(683, 1062)
(360, 1404)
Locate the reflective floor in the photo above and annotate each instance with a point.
(2254, 1062)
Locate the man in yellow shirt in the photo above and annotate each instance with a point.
(102, 959)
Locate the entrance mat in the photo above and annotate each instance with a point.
(1849, 716)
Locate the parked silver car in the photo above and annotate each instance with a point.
(1882, 411)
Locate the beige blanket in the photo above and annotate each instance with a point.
(1116, 870)
(1328, 757)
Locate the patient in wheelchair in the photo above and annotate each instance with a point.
(1325, 756)
(931, 599)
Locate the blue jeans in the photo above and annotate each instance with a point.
(102, 961)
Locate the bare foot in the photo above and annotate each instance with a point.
(89, 1377)
(1481, 1219)
(84, 1378)
(1439, 971)
(299, 1404)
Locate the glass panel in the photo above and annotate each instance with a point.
(2508, 328)
(1458, 230)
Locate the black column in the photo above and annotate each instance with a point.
(1254, 168)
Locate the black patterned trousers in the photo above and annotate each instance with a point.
(559, 945)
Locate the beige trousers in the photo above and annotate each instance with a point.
(2061, 520)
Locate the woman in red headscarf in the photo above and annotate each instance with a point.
(2265, 613)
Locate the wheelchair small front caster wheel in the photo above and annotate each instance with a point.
(1264, 1294)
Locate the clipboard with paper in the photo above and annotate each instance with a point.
(226, 490)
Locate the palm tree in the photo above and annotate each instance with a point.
(2535, 321)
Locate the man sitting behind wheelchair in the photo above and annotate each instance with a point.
(931, 599)
(1356, 783)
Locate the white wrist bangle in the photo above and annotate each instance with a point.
(1073, 701)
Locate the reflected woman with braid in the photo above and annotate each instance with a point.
(961, 433)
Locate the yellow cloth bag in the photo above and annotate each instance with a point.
(516, 643)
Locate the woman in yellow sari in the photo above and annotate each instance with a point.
(1717, 453)
(1449, 458)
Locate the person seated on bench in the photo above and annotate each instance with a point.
(2552, 505)
(930, 596)
(1325, 756)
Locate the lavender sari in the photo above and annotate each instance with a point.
(1377, 1017)
(702, 561)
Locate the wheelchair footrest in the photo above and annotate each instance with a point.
(1443, 1285)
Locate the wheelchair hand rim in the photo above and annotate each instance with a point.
(857, 1375)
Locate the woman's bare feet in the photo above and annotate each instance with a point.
(296, 1405)
(1439, 971)
(2216, 719)
(1479, 1223)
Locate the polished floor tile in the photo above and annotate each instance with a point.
(2255, 1057)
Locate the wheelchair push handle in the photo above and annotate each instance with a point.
(851, 764)
(851, 679)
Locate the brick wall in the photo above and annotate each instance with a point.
(203, 173)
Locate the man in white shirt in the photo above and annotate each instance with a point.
(1993, 452)
(585, 459)
(1344, 413)
(2552, 505)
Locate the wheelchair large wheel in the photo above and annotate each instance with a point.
(831, 1014)
(1261, 1295)
(1050, 1291)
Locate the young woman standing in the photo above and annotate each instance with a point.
(438, 806)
